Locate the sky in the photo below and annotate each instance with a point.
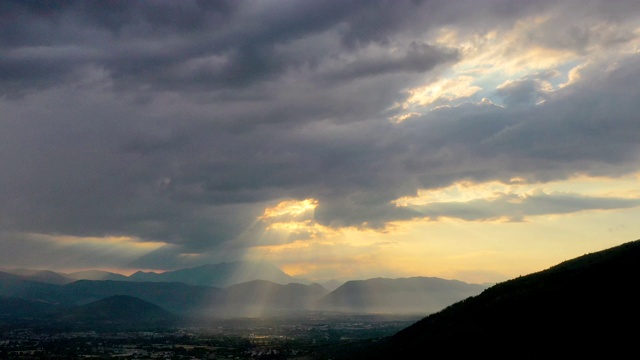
(476, 140)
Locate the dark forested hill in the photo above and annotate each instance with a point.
(118, 309)
(587, 306)
(15, 308)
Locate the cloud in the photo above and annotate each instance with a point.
(523, 92)
(181, 123)
(418, 58)
(511, 207)
(41, 251)
(225, 45)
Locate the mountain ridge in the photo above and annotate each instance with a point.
(220, 274)
(214, 274)
(580, 307)
(97, 275)
(252, 298)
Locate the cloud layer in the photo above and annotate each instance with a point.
(179, 123)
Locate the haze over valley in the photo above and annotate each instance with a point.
(230, 290)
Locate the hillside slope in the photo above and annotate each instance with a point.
(581, 307)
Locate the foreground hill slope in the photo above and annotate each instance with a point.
(585, 306)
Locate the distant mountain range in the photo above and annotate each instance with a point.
(221, 275)
(44, 276)
(179, 292)
(213, 275)
(405, 295)
(585, 307)
(96, 275)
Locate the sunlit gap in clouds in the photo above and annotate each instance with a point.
(497, 62)
(533, 217)
(455, 220)
(518, 189)
(279, 226)
(303, 247)
(284, 225)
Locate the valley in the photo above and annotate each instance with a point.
(300, 336)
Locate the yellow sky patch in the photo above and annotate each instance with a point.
(442, 90)
(106, 241)
(487, 251)
(487, 59)
(627, 187)
(290, 208)
(456, 249)
(400, 118)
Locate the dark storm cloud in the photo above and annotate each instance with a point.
(36, 251)
(521, 92)
(590, 128)
(36, 68)
(213, 45)
(182, 121)
(418, 58)
(170, 45)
